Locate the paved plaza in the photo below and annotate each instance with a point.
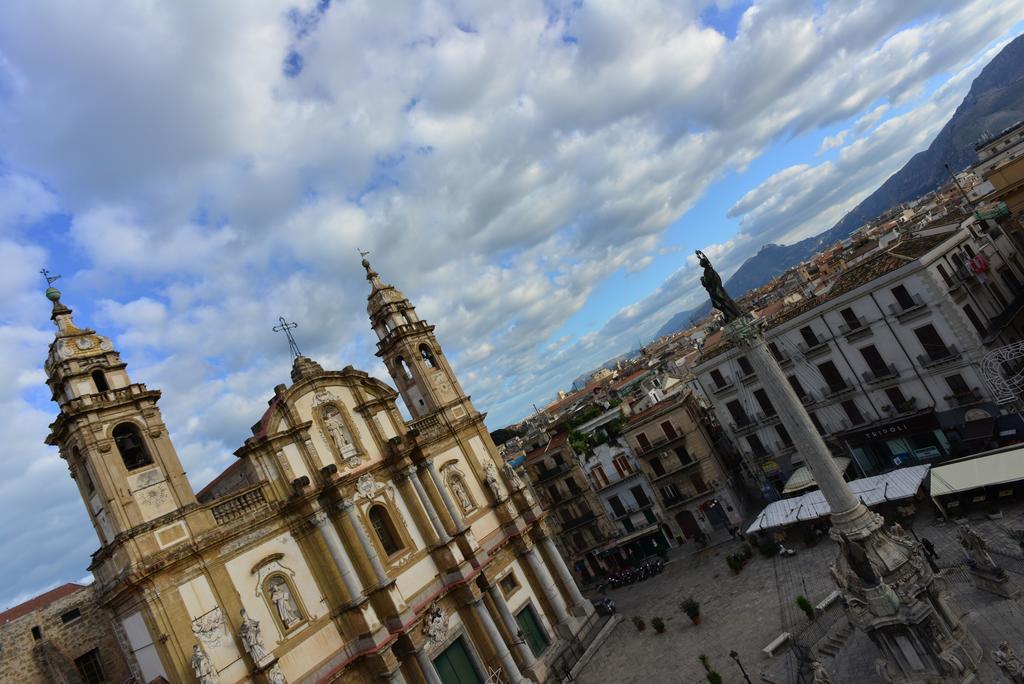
(747, 611)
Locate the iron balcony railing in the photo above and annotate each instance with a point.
(886, 372)
(939, 357)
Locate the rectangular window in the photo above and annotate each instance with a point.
(972, 316)
(810, 339)
(903, 298)
(1010, 280)
(794, 382)
(698, 483)
(850, 318)
(657, 467)
(71, 615)
(896, 397)
(599, 476)
(89, 667)
(945, 275)
(640, 495)
(683, 455)
(745, 367)
(509, 584)
(817, 423)
(642, 440)
(957, 385)
(783, 434)
(622, 466)
(737, 413)
(764, 402)
(670, 431)
(757, 446)
(616, 503)
(852, 412)
(774, 349)
(874, 360)
(718, 378)
(931, 342)
(831, 375)
(997, 294)
(670, 493)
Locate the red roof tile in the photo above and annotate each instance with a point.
(38, 602)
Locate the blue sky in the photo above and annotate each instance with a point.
(534, 175)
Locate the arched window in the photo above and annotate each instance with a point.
(403, 367)
(131, 447)
(428, 356)
(385, 530)
(100, 381)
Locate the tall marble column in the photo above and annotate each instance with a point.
(396, 677)
(453, 510)
(511, 626)
(512, 673)
(581, 605)
(364, 541)
(337, 550)
(427, 666)
(440, 534)
(555, 600)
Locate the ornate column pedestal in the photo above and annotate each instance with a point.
(891, 591)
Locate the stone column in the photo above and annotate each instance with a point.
(453, 510)
(421, 493)
(512, 672)
(547, 582)
(525, 654)
(849, 515)
(337, 550)
(427, 666)
(580, 604)
(396, 677)
(364, 541)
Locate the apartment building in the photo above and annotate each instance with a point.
(887, 361)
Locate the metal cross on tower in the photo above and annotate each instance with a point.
(50, 280)
(287, 327)
(362, 253)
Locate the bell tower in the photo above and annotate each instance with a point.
(110, 432)
(412, 354)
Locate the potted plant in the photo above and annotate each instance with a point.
(658, 624)
(806, 606)
(692, 609)
(712, 676)
(640, 624)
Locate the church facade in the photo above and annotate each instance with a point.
(345, 545)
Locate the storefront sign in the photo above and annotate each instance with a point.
(770, 467)
(927, 452)
(909, 426)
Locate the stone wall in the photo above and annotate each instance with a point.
(51, 657)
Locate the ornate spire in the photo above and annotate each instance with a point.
(61, 315)
(376, 284)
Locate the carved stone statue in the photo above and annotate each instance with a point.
(712, 282)
(336, 428)
(974, 545)
(1009, 663)
(249, 633)
(275, 676)
(513, 477)
(281, 596)
(202, 667)
(821, 675)
(857, 559)
(491, 478)
(435, 624)
(458, 488)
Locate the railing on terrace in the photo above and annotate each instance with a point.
(245, 504)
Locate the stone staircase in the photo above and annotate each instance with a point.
(834, 641)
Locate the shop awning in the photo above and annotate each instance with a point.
(902, 483)
(803, 478)
(989, 468)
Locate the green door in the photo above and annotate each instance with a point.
(532, 630)
(454, 666)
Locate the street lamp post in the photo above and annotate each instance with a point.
(736, 656)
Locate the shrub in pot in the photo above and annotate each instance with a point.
(658, 624)
(806, 606)
(692, 609)
(640, 624)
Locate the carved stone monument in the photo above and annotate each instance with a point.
(249, 633)
(985, 574)
(202, 668)
(890, 591)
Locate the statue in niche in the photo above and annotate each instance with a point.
(202, 667)
(720, 299)
(281, 596)
(458, 488)
(491, 478)
(336, 428)
(252, 641)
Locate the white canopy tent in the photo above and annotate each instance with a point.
(1001, 466)
(892, 486)
(803, 478)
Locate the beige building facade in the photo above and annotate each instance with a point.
(347, 545)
